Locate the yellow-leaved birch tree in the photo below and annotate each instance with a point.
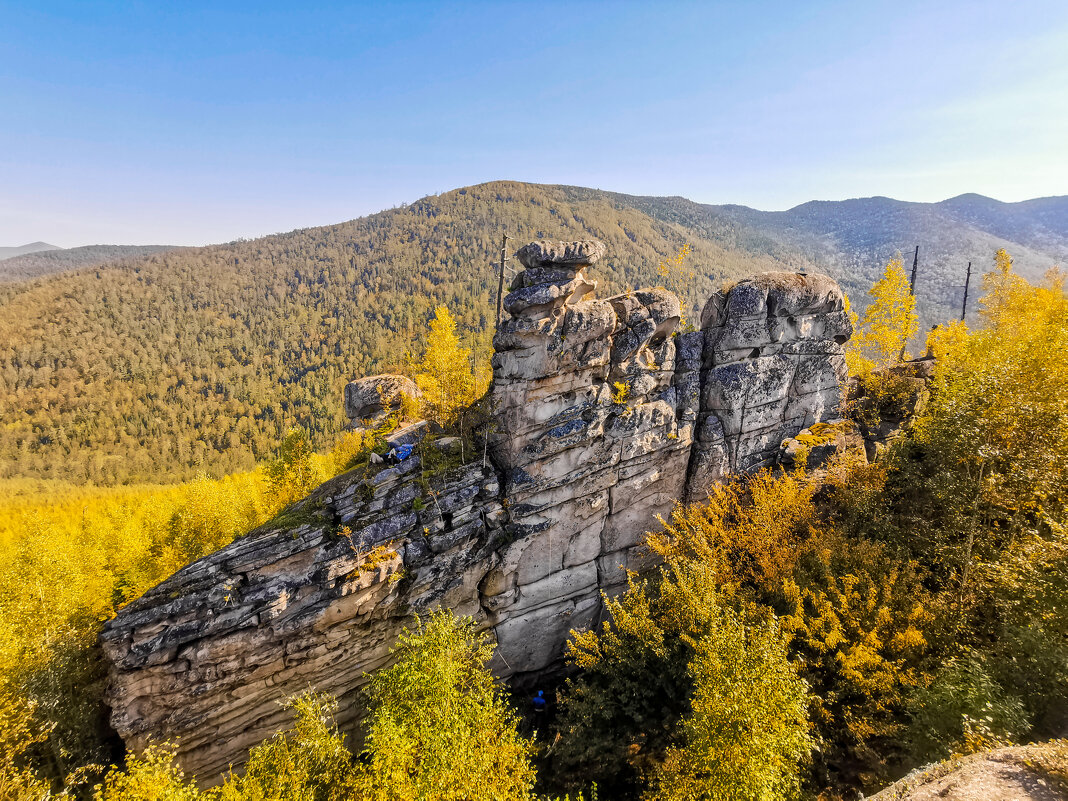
(446, 376)
(888, 322)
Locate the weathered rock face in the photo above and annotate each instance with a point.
(606, 416)
(772, 365)
(368, 401)
(315, 599)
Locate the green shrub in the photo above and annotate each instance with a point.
(439, 726)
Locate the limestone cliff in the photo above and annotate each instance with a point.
(605, 415)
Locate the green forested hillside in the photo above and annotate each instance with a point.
(49, 259)
(200, 359)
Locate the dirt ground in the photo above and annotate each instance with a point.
(1018, 773)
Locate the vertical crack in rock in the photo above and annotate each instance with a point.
(607, 416)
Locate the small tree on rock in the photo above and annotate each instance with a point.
(888, 322)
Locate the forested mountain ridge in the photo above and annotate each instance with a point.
(49, 259)
(852, 239)
(21, 250)
(201, 358)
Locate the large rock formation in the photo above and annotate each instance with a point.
(606, 415)
(369, 401)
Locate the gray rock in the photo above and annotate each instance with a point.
(526, 543)
(542, 297)
(368, 397)
(547, 253)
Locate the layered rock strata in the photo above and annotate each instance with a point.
(606, 415)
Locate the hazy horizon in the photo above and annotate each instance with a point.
(336, 222)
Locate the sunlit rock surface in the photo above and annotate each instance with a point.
(605, 416)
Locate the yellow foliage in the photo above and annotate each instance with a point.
(1003, 291)
(856, 615)
(675, 277)
(17, 735)
(439, 727)
(151, 776)
(447, 376)
(887, 325)
(998, 420)
(947, 338)
(70, 556)
(745, 531)
(747, 734)
(349, 447)
(818, 434)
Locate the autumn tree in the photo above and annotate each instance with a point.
(746, 734)
(446, 375)
(1002, 291)
(888, 323)
(309, 762)
(440, 728)
(853, 610)
(652, 700)
(295, 471)
(674, 275)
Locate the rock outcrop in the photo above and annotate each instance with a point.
(369, 401)
(605, 415)
(885, 404)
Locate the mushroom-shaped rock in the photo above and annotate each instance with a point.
(547, 253)
(368, 398)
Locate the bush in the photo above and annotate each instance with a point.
(308, 763)
(964, 710)
(681, 690)
(439, 727)
(747, 733)
(152, 776)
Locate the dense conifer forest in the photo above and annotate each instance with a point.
(201, 359)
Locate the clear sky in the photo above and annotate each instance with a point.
(188, 123)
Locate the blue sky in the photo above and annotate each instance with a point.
(189, 123)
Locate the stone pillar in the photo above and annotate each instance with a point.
(593, 440)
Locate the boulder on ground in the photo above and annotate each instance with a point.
(374, 397)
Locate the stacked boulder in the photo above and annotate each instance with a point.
(605, 415)
(589, 441)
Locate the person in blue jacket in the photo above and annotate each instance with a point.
(538, 701)
(399, 453)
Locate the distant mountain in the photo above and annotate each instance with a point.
(48, 260)
(199, 359)
(853, 239)
(22, 250)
